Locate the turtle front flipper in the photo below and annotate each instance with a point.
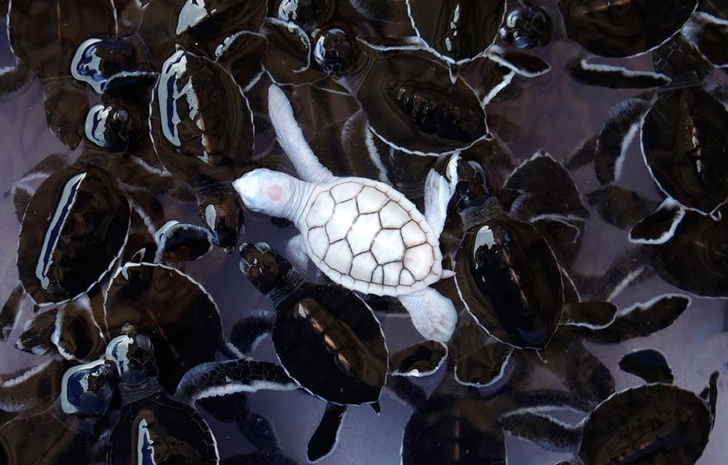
(660, 226)
(433, 315)
(620, 207)
(66, 107)
(33, 389)
(230, 376)
(15, 79)
(613, 77)
(249, 331)
(421, 359)
(327, 433)
(547, 432)
(11, 309)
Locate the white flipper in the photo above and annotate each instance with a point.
(290, 138)
(438, 192)
(296, 253)
(433, 315)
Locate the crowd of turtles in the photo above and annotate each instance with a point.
(357, 162)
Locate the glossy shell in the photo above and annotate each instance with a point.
(369, 238)
(200, 121)
(458, 30)
(655, 423)
(72, 232)
(625, 28)
(511, 282)
(685, 146)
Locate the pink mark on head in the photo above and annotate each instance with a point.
(274, 191)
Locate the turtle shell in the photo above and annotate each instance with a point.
(73, 230)
(458, 30)
(328, 340)
(511, 281)
(625, 28)
(655, 423)
(200, 122)
(685, 146)
(368, 237)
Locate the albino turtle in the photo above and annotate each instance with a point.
(363, 234)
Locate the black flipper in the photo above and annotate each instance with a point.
(327, 433)
(649, 364)
(582, 155)
(231, 376)
(9, 312)
(590, 314)
(248, 331)
(640, 320)
(620, 207)
(613, 77)
(621, 127)
(547, 432)
(15, 79)
(660, 226)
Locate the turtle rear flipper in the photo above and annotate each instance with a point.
(327, 433)
(648, 364)
(613, 77)
(15, 79)
(231, 376)
(420, 359)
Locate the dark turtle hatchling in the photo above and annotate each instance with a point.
(653, 423)
(327, 340)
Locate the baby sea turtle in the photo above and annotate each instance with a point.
(194, 107)
(361, 233)
(64, 432)
(153, 427)
(684, 147)
(653, 423)
(327, 341)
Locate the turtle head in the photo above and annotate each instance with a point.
(271, 192)
(88, 389)
(264, 267)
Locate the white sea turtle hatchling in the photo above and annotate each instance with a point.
(363, 234)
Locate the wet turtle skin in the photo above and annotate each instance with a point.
(654, 423)
(74, 228)
(326, 340)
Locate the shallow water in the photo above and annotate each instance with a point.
(551, 113)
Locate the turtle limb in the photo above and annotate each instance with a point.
(421, 359)
(433, 315)
(178, 243)
(640, 320)
(326, 436)
(37, 332)
(523, 64)
(25, 187)
(658, 227)
(221, 378)
(589, 314)
(709, 33)
(620, 207)
(295, 252)
(547, 432)
(648, 364)
(10, 311)
(15, 79)
(33, 389)
(247, 332)
(613, 77)
(630, 268)
(621, 127)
